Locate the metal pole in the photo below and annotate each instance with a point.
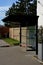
(37, 38)
(20, 33)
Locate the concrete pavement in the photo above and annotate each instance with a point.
(16, 56)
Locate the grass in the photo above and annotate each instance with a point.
(11, 41)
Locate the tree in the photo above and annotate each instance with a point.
(12, 10)
(27, 6)
(22, 7)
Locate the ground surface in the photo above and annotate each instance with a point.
(16, 55)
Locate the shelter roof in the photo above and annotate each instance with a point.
(22, 19)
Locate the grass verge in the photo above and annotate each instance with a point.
(11, 41)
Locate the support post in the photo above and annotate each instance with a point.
(20, 33)
(37, 38)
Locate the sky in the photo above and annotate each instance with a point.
(4, 6)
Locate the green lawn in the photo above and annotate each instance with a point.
(11, 41)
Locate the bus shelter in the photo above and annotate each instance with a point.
(28, 23)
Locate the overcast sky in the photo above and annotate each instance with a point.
(4, 6)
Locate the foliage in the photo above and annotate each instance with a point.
(12, 10)
(32, 9)
(22, 7)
